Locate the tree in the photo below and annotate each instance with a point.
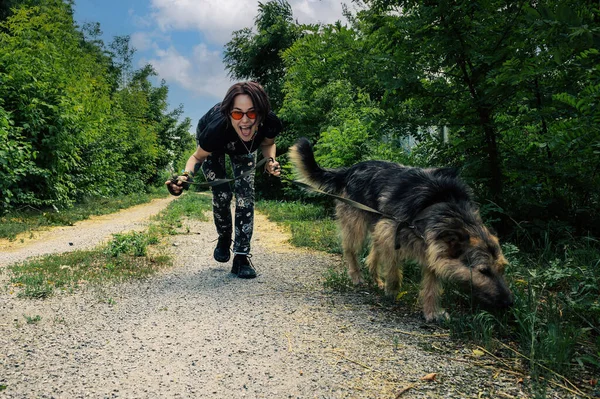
(75, 119)
(493, 71)
(257, 55)
(39, 65)
(332, 95)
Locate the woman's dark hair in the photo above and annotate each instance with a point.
(258, 95)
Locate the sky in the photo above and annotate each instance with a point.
(184, 39)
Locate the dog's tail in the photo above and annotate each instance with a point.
(303, 158)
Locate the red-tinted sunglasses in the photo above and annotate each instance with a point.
(237, 115)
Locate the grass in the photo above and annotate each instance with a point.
(127, 256)
(553, 330)
(311, 226)
(30, 219)
(32, 319)
(191, 205)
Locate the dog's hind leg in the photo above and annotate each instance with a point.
(383, 252)
(353, 225)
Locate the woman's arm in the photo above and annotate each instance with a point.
(195, 160)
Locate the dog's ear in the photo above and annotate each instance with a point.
(456, 241)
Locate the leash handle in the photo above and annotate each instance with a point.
(173, 192)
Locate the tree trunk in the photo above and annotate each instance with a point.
(496, 184)
(485, 118)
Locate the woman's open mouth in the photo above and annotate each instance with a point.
(246, 133)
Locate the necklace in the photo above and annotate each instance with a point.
(251, 143)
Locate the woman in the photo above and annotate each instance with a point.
(238, 126)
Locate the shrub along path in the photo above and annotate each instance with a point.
(196, 331)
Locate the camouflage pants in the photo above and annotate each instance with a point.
(214, 168)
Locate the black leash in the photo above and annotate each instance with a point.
(186, 184)
(401, 224)
(217, 182)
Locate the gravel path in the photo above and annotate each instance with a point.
(196, 331)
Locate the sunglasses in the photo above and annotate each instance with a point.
(237, 115)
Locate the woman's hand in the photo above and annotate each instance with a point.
(273, 168)
(177, 184)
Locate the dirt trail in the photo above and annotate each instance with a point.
(196, 331)
(82, 235)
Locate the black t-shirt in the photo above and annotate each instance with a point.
(215, 134)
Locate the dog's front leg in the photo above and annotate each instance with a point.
(430, 296)
(393, 273)
(353, 267)
(373, 265)
(393, 280)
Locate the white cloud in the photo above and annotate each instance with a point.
(203, 73)
(139, 21)
(141, 41)
(217, 19)
(313, 11)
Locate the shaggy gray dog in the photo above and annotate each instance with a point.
(427, 215)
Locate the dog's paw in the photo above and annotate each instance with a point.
(392, 292)
(392, 288)
(439, 315)
(357, 280)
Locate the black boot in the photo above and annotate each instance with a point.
(222, 253)
(242, 266)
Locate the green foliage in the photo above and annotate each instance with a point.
(326, 70)
(480, 327)
(282, 212)
(509, 98)
(545, 149)
(126, 256)
(134, 244)
(349, 143)
(556, 313)
(322, 236)
(43, 277)
(16, 163)
(33, 319)
(76, 120)
(337, 280)
(189, 205)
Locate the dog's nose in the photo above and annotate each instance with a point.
(508, 302)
